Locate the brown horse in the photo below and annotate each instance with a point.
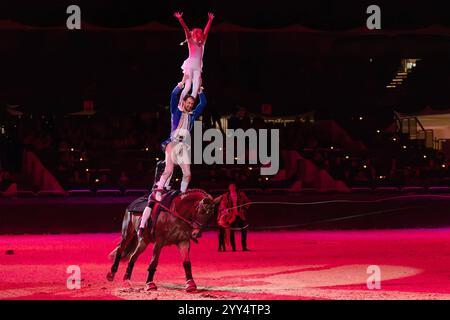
(187, 215)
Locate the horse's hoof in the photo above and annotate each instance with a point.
(191, 286)
(127, 277)
(151, 286)
(110, 276)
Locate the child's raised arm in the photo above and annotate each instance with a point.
(208, 25)
(179, 16)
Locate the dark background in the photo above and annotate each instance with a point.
(45, 67)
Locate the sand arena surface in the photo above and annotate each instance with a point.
(415, 264)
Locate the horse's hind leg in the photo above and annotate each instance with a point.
(118, 257)
(184, 248)
(139, 249)
(114, 267)
(127, 236)
(150, 285)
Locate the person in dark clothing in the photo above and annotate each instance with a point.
(235, 203)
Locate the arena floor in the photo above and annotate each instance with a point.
(415, 264)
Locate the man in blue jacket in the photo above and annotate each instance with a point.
(177, 145)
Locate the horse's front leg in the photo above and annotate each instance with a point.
(184, 248)
(150, 285)
(142, 245)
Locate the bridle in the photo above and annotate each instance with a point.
(193, 223)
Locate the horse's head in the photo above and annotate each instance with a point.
(204, 212)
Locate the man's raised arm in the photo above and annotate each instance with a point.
(201, 105)
(174, 98)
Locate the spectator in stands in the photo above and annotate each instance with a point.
(240, 120)
(96, 139)
(318, 159)
(211, 117)
(338, 169)
(258, 123)
(123, 181)
(105, 181)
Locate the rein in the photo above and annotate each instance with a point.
(193, 223)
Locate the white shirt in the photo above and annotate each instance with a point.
(183, 127)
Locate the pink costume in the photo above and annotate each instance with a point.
(195, 60)
(193, 65)
(192, 68)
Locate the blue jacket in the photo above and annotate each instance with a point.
(176, 113)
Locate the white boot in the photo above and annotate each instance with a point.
(145, 217)
(184, 186)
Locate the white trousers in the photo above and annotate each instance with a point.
(176, 153)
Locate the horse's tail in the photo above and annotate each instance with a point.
(127, 251)
(128, 232)
(112, 254)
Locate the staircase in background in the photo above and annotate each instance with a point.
(415, 132)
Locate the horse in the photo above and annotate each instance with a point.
(188, 214)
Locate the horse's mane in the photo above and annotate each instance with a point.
(193, 196)
(193, 191)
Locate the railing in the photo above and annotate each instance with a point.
(412, 127)
(438, 144)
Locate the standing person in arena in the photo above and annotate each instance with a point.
(176, 146)
(236, 203)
